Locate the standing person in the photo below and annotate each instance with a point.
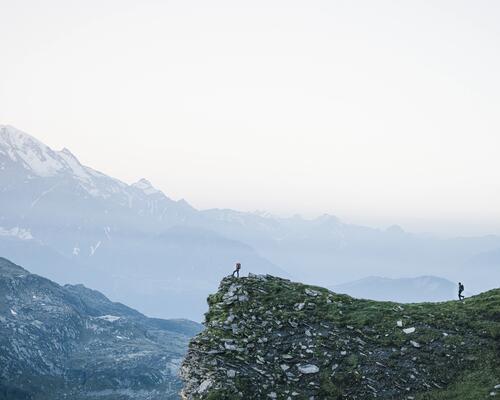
(460, 291)
(237, 270)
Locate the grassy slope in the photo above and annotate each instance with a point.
(473, 326)
(482, 315)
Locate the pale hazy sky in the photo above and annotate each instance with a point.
(379, 112)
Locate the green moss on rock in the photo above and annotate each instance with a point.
(269, 338)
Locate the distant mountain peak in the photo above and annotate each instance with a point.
(327, 218)
(37, 158)
(184, 203)
(66, 151)
(23, 148)
(395, 229)
(145, 186)
(30, 158)
(16, 138)
(264, 214)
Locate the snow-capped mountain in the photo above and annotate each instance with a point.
(26, 157)
(26, 163)
(122, 239)
(163, 257)
(54, 193)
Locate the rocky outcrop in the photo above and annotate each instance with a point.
(70, 342)
(269, 338)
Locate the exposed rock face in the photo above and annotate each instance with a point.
(73, 343)
(269, 338)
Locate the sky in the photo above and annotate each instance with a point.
(381, 112)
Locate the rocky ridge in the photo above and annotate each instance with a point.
(71, 342)
(269, 338)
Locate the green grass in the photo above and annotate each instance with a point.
(471, 385)
(472, 340)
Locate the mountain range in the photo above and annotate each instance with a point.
(403, 290)
(71, 342)
(73, 224)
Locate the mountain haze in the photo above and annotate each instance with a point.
(74, 224)
(130, 241)
(402, 290)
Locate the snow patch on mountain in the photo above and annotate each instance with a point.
(109, 318)
(20, 233)
(93, 249)
(39, 160)
(35, 156)
(73, 164)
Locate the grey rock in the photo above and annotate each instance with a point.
(308, 369)
(71, 342)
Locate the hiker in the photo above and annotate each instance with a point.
(237, 270)
(460, 291)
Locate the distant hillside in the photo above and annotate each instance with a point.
(403, 290)
(269, 338)
(71, 342)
